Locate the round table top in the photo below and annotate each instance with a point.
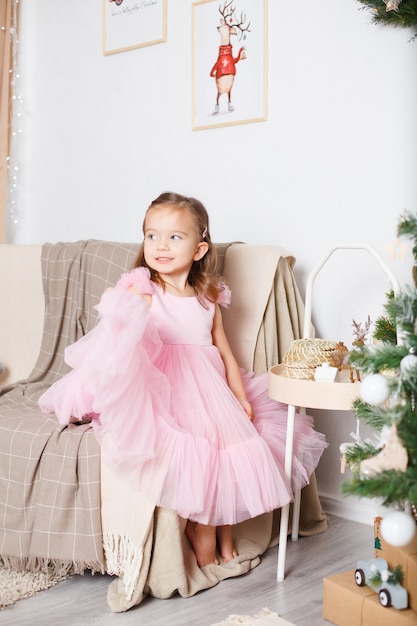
(312, 394)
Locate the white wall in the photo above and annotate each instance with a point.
(335, 162)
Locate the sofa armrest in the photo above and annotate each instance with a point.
(21, 310)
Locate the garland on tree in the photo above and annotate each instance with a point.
(401, 13)
(388, 470)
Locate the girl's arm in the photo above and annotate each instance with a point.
(137, 281)
(233, 375)
(145, 296)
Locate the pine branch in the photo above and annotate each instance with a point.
(374, 358)
(397, 575)
(375, 416)
(407, 431)
(403, 308)
(375, 580)
(405, 17)
(407, 227)
(384, 330)
(357, 452)
(392, 486)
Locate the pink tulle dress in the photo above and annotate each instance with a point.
(154, 386)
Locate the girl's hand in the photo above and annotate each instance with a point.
(145, 296)
(247, 407)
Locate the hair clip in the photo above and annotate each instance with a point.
(204, 233)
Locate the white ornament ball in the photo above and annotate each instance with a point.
(374, 389)
(398, 528)
(408, 364)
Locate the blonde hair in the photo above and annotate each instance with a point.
(202, 274)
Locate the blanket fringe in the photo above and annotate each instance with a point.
(123, 559)
(53, 567)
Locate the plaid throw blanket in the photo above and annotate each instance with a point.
(50, 474)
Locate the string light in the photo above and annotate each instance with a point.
(16, 105)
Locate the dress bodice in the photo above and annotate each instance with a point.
(181, 320)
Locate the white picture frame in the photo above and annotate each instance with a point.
(247, 23)
(130, 24)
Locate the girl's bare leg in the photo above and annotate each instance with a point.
(225, 541)
(203, 542)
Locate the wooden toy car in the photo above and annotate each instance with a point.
(376, 575)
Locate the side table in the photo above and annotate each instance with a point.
(336, 396)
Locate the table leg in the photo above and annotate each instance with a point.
(296, 515)
(282, 546)
(283, 531)
(297, 502)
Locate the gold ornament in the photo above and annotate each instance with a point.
(392, 5)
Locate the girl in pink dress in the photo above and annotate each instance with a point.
(168, 402)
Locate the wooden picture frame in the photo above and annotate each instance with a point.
(229, 48)
(130, 24)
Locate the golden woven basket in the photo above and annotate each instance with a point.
(304, 355)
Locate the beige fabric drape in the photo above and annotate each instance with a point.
(5, 111)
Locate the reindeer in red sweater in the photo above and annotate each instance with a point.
(224, 69)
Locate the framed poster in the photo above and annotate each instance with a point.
(130, 24)
(229, 64)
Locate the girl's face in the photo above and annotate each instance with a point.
(171, 241)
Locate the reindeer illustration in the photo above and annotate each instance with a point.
(224, 70)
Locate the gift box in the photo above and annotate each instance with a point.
(373, 613)
(343, 599)
(406, 556)
(412, 581)
(393, 555)
(346, 604)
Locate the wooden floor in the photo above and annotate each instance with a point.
(81, 600)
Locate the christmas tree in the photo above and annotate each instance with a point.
(387, 470)
(393, 12)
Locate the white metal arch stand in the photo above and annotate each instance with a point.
(295, 393)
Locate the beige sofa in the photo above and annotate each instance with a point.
(62, 509)
(22, 311)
